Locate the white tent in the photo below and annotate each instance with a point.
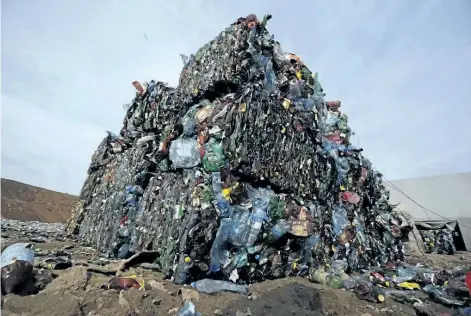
(439, 200)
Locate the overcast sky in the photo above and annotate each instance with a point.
(401, 68)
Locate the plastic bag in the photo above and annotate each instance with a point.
(351, 197)
(338, 266)
(17, 277)
(270, 78)
(202, 114)
(278, 54)
(189, 126)
(184, 154)
(339, 219)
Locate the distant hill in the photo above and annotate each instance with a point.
(29, 203)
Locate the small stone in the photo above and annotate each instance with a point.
(173, 311)
(122, 300)
(372, 308)
(252, 296)
(157, 301)
(158, 286)
(218, 312)
(248, 312)
(386, 310)
(189, 294)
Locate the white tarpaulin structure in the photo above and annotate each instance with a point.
(439, 200)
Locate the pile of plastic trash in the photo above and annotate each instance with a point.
(401, 282)
(244, 172)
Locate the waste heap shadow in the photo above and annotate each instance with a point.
(243, 171)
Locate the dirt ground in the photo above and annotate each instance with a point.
(78, 291)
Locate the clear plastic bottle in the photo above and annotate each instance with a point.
(216, 286)
(239, 228)
(256, 220)
(218, 248)
(216, 182)
(181, 273)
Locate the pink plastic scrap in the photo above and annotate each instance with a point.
(350, 197)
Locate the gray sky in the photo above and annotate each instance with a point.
(401, 68)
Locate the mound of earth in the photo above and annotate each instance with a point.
(25, 202)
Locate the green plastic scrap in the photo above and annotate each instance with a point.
(207, 194)
(179, 211)
(276, 208)
(342, 123)
(213, 158)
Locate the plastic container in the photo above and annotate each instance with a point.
(18, 251)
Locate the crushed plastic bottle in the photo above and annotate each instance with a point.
(188, 309)
(368, 292)
(216, 286)
(256, 221)
(322, 277)
(280, 228)
(339, 219)
(217, 252)
(184, 265)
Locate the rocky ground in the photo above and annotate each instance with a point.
(77, 275)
